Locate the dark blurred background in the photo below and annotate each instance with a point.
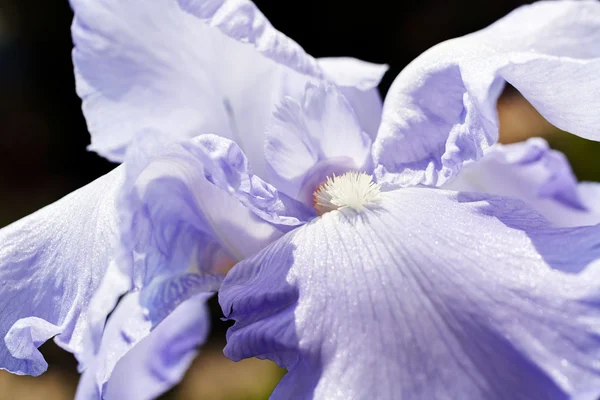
(43, 148)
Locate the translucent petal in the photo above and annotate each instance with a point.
(174, 66)
(358, 81)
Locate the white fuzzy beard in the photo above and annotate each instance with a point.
(352, 189)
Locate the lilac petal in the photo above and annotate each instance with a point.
(358, 81)
(115, 283)
(367, 106)
(141, 65)
(428, 294)
(162, 359)
(308, 140)
(534, 173)
(174, 66)
(126, 326)
(352, 73)
(51, 263)
(189, 212)
(242, 20)
(441, 109)
(135, 362)
(227, 167)
(185, 231)
(589, 193)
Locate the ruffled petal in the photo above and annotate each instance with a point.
(189, 212)
(311, 139)
(242, 20)
(51, 263)
(427, 294)
(227, 167)
(173, 66)
(441, 110)
(137, 363)
(534, 173)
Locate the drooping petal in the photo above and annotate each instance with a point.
(174, 66)
(534, 173)
(137, 363)
(427, 294)
(115, 283)
(441, 109)
(125, 327)
(189, 214)
(311, 139)
(51, 262)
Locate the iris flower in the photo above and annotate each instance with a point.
(393, 252)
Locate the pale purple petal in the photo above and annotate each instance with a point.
(427, 294)
(135, 362)
(441, 110)
(367, 106)
(226, 167)
(242, 20)
(311, 139)
(174, 66)
(125, 327)
(115, 283)
(161, 360)
(534, 173)
(589, 192)
(350, 74)
(145, 65)
(51, 262)
(184, 231)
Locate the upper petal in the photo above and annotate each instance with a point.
(140, 65)
(351, 72)
(441, 109)
(313, 138)
(174, 65)
(358, 81)
(534, 173)
(427, 295)
(241, 20)
(51, 263)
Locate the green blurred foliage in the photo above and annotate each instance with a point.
(584, 155)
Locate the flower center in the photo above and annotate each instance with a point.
(352, 189)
